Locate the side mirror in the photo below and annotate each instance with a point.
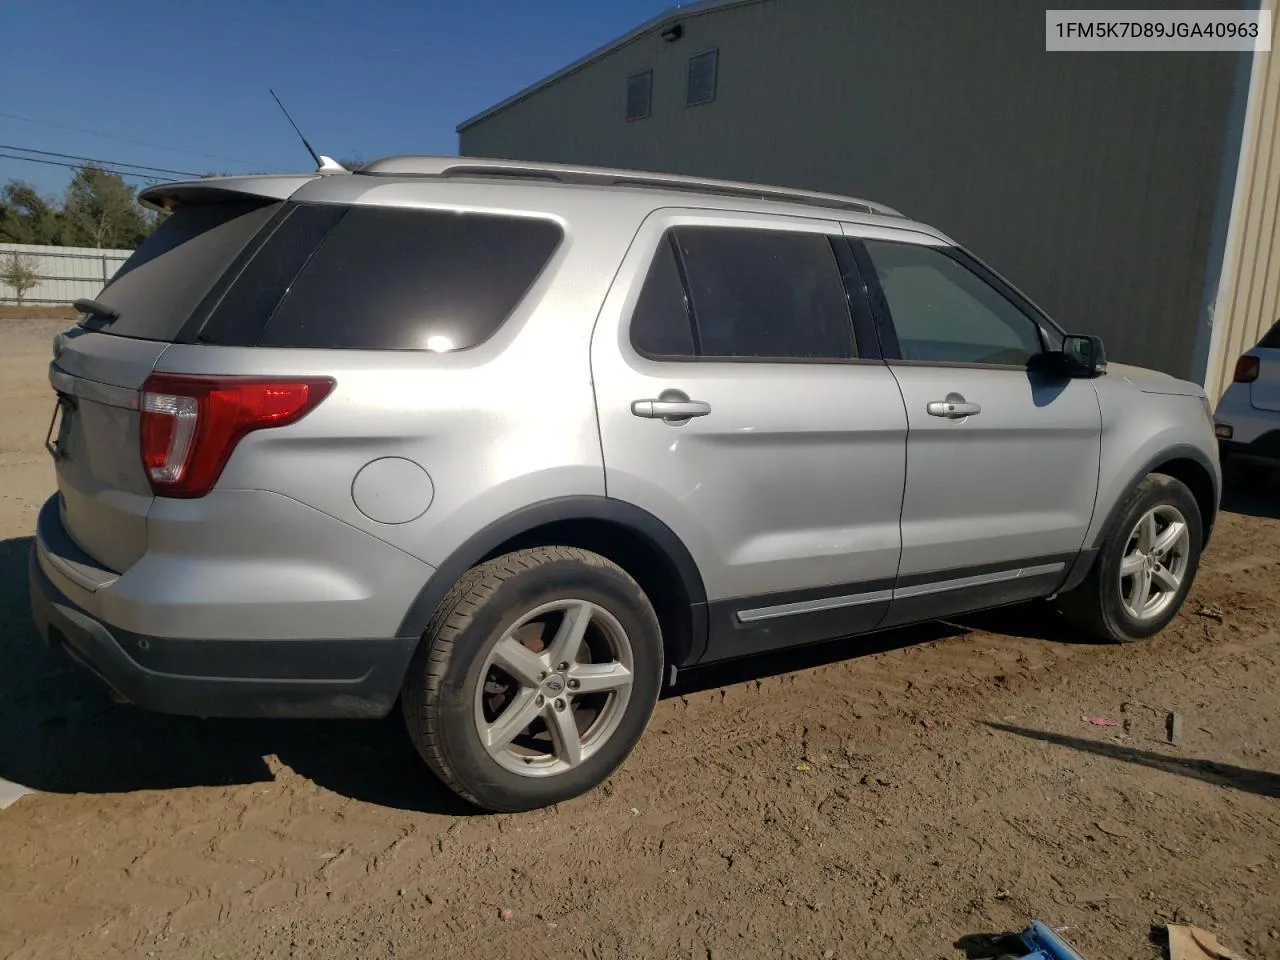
(1083, 356)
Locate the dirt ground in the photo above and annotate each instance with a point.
(909, 795)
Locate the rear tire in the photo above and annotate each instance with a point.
(1146, 566)
(535, 678)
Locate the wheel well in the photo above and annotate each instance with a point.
(1199, 482)
(644, 560)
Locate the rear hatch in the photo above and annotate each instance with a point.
(100, 366)
(1264, 392)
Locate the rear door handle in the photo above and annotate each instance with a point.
(953, 409)
(670, 409)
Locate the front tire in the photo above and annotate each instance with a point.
(535, 678)
(1146, 566)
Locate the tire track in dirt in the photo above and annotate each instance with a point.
(883, 805)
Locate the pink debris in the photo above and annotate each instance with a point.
(1101, 721)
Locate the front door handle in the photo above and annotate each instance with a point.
(670, 409)
(955, 407)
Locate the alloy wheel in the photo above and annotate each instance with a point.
(554, 688)
(1156, 557)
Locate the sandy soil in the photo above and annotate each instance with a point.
(909, 795)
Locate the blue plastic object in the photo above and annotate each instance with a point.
(1044, 944)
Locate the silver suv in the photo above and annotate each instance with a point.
(509, 444)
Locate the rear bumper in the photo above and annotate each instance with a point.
(222, 678)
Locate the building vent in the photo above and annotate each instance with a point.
(701, 84)
(639, 95)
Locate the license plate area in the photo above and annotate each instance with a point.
(55, 440)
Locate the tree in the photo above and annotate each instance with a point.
(99, 209)
(19, 270)
(102, 210)
(27, 217)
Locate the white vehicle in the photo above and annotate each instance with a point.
(1247, 421)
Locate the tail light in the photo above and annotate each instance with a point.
(190, 425)
(1246, 369)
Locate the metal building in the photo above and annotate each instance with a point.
(1132, 195)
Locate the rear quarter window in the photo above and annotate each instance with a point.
(388, 278)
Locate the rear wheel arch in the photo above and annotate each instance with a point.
(634, 539)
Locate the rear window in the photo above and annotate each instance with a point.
(395, 279)
(162, 283)
(1272, 340)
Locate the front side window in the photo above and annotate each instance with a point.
(750, 295)
(945, 313)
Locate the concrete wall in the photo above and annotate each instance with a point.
(66, 273)
(1248, 296)
(1089, 180)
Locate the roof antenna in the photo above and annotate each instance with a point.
(323, 164)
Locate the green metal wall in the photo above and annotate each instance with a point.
(1089, 179)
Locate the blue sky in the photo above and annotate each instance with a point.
(362, 79)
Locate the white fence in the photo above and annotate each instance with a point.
(66, 273)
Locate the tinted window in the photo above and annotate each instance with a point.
(245, 308)
(639, 95)
(944, 312)
(700, 81)
(1272, 340)
(395, 279)
(660, 325)
(165, 279)
(765, 294)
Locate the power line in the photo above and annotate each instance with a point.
(77, 166)
(140, 143)
(114, 163)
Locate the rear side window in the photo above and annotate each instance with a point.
(765, 294)
(161, 284)
(1272, 340)
(660, 325)
(394, 279)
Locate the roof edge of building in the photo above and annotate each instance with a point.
(668, 16)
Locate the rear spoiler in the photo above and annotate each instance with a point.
(170, 196)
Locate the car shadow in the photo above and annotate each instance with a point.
(1034, 620)
(61, 732)
(1259, 782)
(1259, 499)
(759, 666)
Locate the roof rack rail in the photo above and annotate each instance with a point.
(432, 166)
